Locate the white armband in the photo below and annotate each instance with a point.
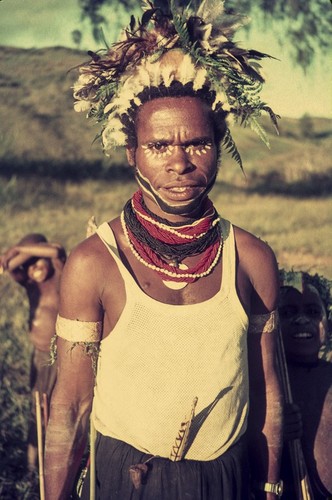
(264, 323)
(78, 331)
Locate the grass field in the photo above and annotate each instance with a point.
(297, 227)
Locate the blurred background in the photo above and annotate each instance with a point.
(295, 84)
(54, 176)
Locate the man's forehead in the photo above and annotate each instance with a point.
(185, 115)
(184, 105)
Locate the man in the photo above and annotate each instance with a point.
(36, 265)
(166, 290)
(304, 328)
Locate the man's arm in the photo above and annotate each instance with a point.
(266, 410)
(72, 397)
(266, 401)
(67, 428)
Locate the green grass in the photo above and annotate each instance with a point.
(14, 395)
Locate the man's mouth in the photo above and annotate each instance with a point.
(181, 193)
(178, 189)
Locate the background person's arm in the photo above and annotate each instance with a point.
(19, 254)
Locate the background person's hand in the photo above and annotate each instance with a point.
(293, 427)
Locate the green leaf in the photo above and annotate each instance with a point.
(258, 129)
(230, 146)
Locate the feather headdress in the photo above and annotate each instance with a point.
(173, 44)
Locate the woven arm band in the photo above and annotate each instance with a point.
(264, 323)
(78, 331)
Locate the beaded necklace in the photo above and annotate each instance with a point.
(160, 245)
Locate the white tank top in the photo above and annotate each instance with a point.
(159, 357)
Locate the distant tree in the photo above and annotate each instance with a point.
(76, 36)
(304, 27)
(306, 125)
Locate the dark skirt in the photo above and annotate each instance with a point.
(225, 478)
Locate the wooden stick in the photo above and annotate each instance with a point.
(300, 473)
(40, 447)
(45, 409)
(92, 460)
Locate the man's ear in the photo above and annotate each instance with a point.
(130, 152)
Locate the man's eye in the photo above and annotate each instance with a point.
(201, 146)
(159, 147)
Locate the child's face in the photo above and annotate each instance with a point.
(40, 271)
(303, 323)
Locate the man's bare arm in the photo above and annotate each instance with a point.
(266, 409)
(72, 397)
(67, 429)
(266, 401)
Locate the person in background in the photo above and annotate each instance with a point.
(304, 302)
(36, 265)
(175, 304)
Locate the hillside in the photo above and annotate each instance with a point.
(41, 132)
(36, 105)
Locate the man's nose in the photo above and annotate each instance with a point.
(179, 160)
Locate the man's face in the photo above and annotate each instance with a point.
(303, 323)
(176, 154)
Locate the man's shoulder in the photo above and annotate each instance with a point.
(89, 254)
(256, 260)
(251, 245)
(87, 248)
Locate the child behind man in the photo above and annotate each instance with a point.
(303, 308)
(36, 265)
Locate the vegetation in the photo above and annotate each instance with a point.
(304, 27)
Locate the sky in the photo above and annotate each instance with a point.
(288, 90)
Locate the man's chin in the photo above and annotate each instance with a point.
(185, 207)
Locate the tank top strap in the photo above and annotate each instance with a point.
(107, 236)
(229, 258)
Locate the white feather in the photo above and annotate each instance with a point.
(186, 70)
(210, 10)
(199, 78)
(167, 74)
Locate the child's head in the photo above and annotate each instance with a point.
(303, 322)
(36, 269)
(303, 318)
